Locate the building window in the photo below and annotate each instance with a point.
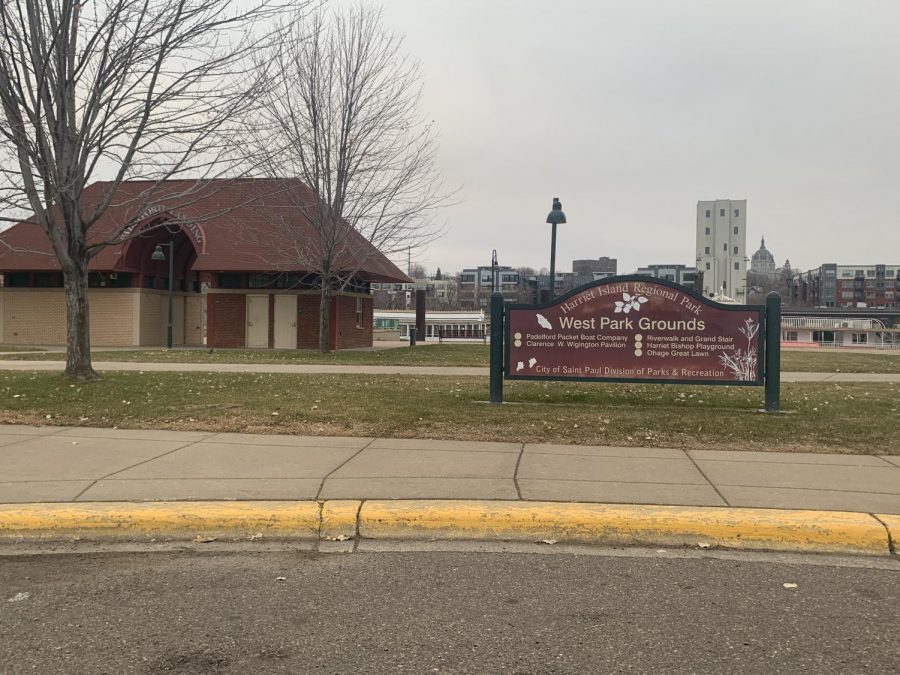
(229, 280)
(359, 313)
(707, 265)
(735, 230)
(149, 282)
(870, 273)
(725, 248)
(735, 250)
(860, 338)
(707, 215)
(707, 231)
(49, 280)
(722, 212)
(706, 250)
(261, 280)
(737, 266)
(789, 336)
(737, 213)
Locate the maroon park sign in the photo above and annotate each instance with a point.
(636, 329)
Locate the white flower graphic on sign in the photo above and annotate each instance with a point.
(743, 365)
(629, 302)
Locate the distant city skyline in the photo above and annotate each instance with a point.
(632, 112)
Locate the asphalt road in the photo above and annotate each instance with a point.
(233, 611)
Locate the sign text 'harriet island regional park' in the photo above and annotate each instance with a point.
(628, 329)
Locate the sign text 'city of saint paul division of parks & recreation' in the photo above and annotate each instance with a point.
(630, 328)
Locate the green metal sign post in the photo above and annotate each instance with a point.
(773, 352)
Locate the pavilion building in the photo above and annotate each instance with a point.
(245, 272)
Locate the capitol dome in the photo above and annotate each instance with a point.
(763, 262)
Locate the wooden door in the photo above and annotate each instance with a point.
(285, 322)
(258, 321)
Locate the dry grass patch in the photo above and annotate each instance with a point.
(817, 361)
(854, 418)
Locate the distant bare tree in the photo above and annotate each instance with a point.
(116, 90)
(342, 115)
(418, 271)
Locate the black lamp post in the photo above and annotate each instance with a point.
(159, 256)
(555, 217)
(494, 271)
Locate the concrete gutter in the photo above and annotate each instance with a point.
(580, 523)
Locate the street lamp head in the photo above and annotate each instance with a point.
(556, 215)
(158, 254)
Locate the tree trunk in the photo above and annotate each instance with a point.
(78, 327)
(324, 312)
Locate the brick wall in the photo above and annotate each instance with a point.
(38, 317)
(348, 335)
(112, 318)
(226, 319)
(154, 315)
(308, 321)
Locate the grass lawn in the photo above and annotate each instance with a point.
(854, 418)
(456, 355)
(16, 348)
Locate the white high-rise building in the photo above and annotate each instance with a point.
(722, 247)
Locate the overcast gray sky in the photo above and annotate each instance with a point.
(631, 112)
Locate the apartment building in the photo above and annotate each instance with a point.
(834, 285)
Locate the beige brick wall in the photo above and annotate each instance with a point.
(187, 314)
(153, 317)
(35, 316)
(111, 318)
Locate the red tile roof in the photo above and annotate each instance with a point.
(240, 225)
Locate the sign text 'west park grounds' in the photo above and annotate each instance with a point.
(635, 329)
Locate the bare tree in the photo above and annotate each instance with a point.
(342, 114)
(116, 90)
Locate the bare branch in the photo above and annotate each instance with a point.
(120, 90)
(342, 113)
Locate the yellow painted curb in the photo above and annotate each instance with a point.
(177, 520)
(892, 523)
(339, 519)
(606, 524)
(748, 529)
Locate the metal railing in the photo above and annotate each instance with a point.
(829, 323)
(859, 345)
(479, 333)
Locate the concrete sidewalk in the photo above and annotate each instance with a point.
(57, 464)
(314, 369)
